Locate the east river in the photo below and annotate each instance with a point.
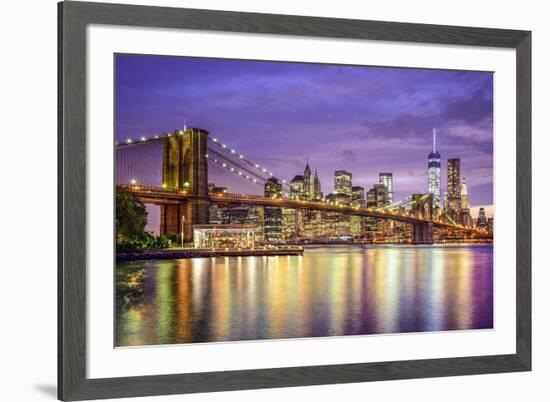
(329, 291)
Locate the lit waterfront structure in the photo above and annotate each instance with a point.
(342, 182)
(386, 179)
(434, 174)
(223, 236)
(290, 224)
(453, 187)
(273, 216)
(358, 196)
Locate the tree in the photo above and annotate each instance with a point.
(131, 219)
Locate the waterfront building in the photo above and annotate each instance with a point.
(342, 182)
(358, 196)
(453, 187)
(357, 226)
(223, 236)
(386, 179)
(434, 174)
(290, 224)
(273, 216)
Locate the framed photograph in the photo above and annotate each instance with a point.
(254, 201)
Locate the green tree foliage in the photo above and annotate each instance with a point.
(131, 219)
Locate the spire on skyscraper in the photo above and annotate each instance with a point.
(434, 140)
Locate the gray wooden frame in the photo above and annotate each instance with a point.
(73, 17)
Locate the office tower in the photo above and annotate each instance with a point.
(386, 179)
(453, 187)
(377, 196)
(434, 174)
(273, 225)
(273, 188)
(342, 182)
(464, 203)
(297, 187)
(358, 196)
(481, 221)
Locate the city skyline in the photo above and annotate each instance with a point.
(375, 113)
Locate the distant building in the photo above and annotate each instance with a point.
(481, 222)
(297, 187)
(273, 216)
(342, 182)
(377, 196)
(453, 188)
(339, 198)
(273, 188)
(317, 193)
(434, 174)
(464, 202)
(358, 196)
(306, 186)
(386, 179)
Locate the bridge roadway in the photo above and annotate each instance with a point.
(163, 196)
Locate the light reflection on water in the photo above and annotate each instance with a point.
(335, 290)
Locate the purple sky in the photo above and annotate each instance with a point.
(362, 119)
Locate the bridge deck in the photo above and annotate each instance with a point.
(163, 196)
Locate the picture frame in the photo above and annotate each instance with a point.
(73, 20)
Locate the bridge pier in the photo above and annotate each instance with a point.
(185, 167)
(422, 233)
(175, 217)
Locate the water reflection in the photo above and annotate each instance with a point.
(337, 290)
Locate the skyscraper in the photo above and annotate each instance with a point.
(481, 222)
(377, 196)
(358, 196)
(464, 203)
(453, 187)
(434, 174)
(342, 182)
(386, 179)
(273, 188)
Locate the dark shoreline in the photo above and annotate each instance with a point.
(191, 253)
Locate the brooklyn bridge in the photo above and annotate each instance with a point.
(173, 171)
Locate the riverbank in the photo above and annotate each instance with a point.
(169, 254)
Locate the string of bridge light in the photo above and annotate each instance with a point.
(242, 158)
(144, 139)
(237, 172)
